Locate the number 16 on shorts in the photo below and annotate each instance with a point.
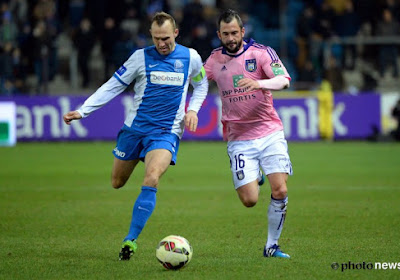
(237, 165)
(238, 161)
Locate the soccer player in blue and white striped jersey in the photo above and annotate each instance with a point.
(155, 124)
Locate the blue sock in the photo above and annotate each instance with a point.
(142, 210)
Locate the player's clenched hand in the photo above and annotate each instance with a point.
(191, 120)
(73, 115)
(249, 84)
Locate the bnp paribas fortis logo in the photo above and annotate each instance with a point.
(236, 79)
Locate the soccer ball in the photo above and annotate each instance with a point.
(174, 252)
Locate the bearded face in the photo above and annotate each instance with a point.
(231, 36)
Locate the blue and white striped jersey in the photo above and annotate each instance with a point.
(160, 89)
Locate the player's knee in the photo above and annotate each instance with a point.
(249, 202)
(117, 183)
(151, 179)
(248, 195)
(279, 192)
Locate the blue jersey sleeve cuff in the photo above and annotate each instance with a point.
(119, 80)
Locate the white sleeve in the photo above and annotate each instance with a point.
(115, 85)
(102, 96)
(198, 80)
(275, 83)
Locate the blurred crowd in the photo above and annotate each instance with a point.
(29, 32)
(336, 21)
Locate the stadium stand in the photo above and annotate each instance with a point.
(55, 47)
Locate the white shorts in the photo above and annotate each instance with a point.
(247, 157)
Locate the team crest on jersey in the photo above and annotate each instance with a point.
(251, 65)
(178, 65)
(240, 175)
(121, 70)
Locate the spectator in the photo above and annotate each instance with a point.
(334, 75)
(19, 9)
(123, 48)
(250, 23)
(367, 11)
(76, 13)
(19, 71)
(110, 36)
(45, 33)
(388, 53)
(84, 41)
(8, 28)
(131, 23)
(394, 8)
(192, 17)
(324, 21)
(201, 40)
(42, 45)
(44, 9)
(12, 73)
(322, 31)
(305, 25)
(348, 24)
(307, 74)
(25, 39)
(238, 5)
(6, 66)
(154, 6)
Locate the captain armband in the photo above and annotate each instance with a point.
(199, 76)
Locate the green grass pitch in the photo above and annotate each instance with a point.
(60, 218)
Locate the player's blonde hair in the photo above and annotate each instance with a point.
(161, 17)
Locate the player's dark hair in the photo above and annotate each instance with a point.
(161, 17)
(227, 16)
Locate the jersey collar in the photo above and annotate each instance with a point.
(249, 43)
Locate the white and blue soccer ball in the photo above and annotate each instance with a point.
(174, 252)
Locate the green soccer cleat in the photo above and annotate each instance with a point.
(129, 247)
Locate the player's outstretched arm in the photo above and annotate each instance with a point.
(70, 116)
(275, 83)
(191, 120)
